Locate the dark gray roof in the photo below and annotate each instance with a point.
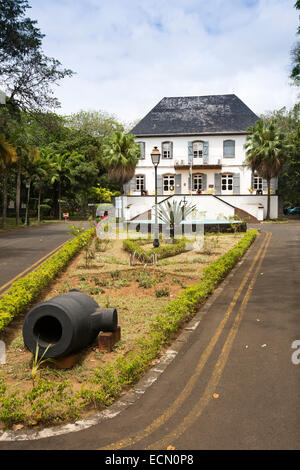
(197, 115)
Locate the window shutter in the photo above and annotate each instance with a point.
(274, 185)
(126, 188)
(236, 183)
(265, 185)
(177, 183)
(229, 149)
(132, 185)
(145, 187)
(204, 182)
(190, 152)
(159, 184)
(205, 153)
(252, 180)
(143, 150)
(171, 149)
(217, 183)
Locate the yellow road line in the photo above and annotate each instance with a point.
(190, 384)
(30, 268)
(197, 410)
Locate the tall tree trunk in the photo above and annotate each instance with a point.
(269, 198)
(18, 190)
(27, 205)
(4, 199)
(39, 205)
(59, 200)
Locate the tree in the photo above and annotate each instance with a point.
(25, 72)
(94, 123)
(59, 174)
(84, 175)
(121, 154)
(40, 177)
(295, 54)
(18, 34)
(8, 155)
(266, 149)
(288, 122)
(30, 169)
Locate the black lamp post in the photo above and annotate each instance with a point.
(155, 157)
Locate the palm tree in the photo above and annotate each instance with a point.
(266, 149)
(121, 154)
(8, 155)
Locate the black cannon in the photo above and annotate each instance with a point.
(68, 322)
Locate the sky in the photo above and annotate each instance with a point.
(128, 55)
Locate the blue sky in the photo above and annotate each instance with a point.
(128, 55)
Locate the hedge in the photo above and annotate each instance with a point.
(165, 251)
(23, 291)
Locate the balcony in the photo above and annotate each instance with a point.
(182, 164)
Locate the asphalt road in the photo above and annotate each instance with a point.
(24, 248)
(232, 383)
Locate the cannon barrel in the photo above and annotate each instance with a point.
(68, 322)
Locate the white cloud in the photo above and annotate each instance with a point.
(129, 55)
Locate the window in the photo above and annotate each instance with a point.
(142, 145)
(197, 182)
(257, 183)
(167, 150)
(198, 149)
(169, 182)
(229, 148)
(140, 183)
(227, 182)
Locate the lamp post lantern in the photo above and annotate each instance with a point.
(155, 157)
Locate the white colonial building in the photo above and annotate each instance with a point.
(201, 140)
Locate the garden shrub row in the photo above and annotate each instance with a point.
(23, 291)
(165, 251)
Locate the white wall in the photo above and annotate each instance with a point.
(180, 155)
(252, 202)
(211, 207)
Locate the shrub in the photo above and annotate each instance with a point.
(164, 292)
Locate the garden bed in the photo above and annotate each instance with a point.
(149, 317)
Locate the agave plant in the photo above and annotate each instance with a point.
(173, 213)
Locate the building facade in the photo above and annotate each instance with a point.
(201, 141)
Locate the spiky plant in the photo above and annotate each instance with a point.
(173, 213)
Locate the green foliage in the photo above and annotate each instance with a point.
(146, 256)
(145, 280)
(25, 290)
(289, 179)
(164, 292)
(173, 213)
(121, 154)
(105, 194)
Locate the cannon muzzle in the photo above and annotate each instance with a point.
(68, 322)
